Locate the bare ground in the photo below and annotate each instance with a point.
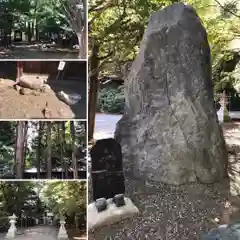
(30, 106)
(184, 212)
(34, 51)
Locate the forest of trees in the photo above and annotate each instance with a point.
(30, 200)
(116, 29)
(41, 18)
(44, 147)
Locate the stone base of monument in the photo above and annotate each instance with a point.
(224, 232)
(112, 214)
(11, 234)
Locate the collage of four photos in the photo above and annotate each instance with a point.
(119, 120)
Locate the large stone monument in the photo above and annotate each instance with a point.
(169, 131)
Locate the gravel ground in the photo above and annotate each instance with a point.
(16, 106)
(26, 51)
(179, 213)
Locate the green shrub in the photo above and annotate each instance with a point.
(111, 100)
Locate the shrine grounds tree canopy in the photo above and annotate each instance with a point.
(32, 199)
(37, 17)
(116, 29)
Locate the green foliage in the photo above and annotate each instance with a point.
(33, 198)
(49, 16)
(65, 198)
(117, 28)
(112, 100)
(8, 139)
(14, 198)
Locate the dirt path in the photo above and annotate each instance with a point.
(35, 52)
(41, 232)
(180, 213)
(16, 106)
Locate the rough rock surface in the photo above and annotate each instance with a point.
(32, 83)
(224, 232)
(169, 131)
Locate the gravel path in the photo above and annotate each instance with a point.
(35, 52)
(179, 213)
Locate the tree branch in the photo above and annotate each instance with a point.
(226, 9)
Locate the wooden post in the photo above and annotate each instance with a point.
(93, 91)
(19, 69)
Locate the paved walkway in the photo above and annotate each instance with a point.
(105, 125)
(35, 233)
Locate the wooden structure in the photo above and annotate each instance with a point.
(82, 174)
(73, 70)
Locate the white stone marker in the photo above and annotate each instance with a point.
(12, 230)
(62, 231)
(111, 215)
(223, 112)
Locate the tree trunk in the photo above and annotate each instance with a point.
(29, 33)
(82, 41)
(93, 91)
(32, 29)
(40, 133)
(49, 150)
(74, 158)
(84, 38)
(63, 148)
(25, 145)
(37, 32)
(59, 142)
(19, 150)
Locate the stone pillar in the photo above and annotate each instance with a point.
(12, 230)
(62, 234)
(45, 220)
(223, 114)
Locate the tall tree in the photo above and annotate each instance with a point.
(19, 151)
(25, 148)
(74, 150)
(63, 136)
(76, 12)
(49, 150)
(39, 147)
